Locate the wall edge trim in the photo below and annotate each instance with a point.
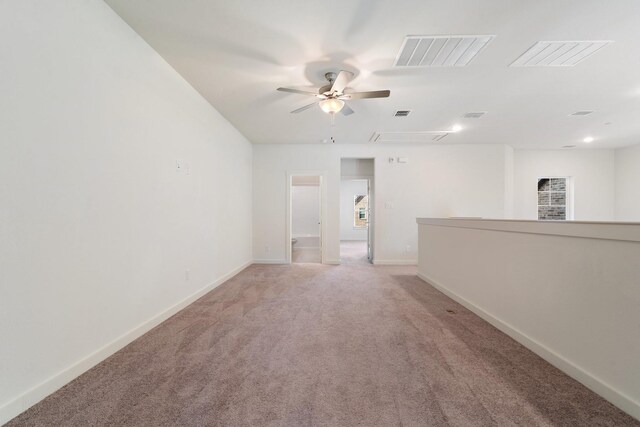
(270, 261)
(395, 262)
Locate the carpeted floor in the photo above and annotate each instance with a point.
(310, 344)
(306, 255)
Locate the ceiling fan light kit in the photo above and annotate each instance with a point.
(331, 105)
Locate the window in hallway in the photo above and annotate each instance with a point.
(361, 211)
(552, 199)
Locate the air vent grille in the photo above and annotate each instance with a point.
(474, 115)
(402, 113)
(399, 137)
(581, 113)
(440, 51)
(559, 53)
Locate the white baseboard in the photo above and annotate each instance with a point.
(614, 396)
(282, 261)
(16, 406)
(270, 261)
(395, 261)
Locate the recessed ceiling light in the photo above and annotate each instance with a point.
(456, 128)
(568, 146)
(588, 139)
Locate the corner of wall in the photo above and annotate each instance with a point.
(508, 182)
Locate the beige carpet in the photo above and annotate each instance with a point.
(306, 255)
(309, 344)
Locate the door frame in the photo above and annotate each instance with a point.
(371, 185)
(323, 210)
(370, 221)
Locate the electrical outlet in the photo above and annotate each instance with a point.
(266, 249)
(187, 275)
(408, 248)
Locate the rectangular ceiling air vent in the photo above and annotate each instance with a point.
(581, 113)
(559, 53)
(440, 51)
(399, 137)
(439, 137)
(474, 115)
(402, 113)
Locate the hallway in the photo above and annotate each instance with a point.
(353, 251)
(313, 344)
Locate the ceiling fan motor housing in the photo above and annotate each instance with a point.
(331, 76)
(326, 89)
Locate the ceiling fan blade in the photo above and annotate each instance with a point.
(346, 110)
(306, 107)
(341, 81)
(364, 95)
(301, 92)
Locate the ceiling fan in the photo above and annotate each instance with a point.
(331, 97)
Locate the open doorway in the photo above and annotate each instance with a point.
(356, 210)
(306, 219)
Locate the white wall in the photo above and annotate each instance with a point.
(438, 180)
(97, 227)
(305, 210)
(593, 173)
(628, 184)
(356, 168)
(348, 189)
(569, 292)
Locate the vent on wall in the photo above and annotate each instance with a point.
(391, 137)
(402, 113)
(559, 53)
(440, 51)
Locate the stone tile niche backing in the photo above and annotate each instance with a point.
(552, 198)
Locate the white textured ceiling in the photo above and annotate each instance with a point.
(236, 53)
